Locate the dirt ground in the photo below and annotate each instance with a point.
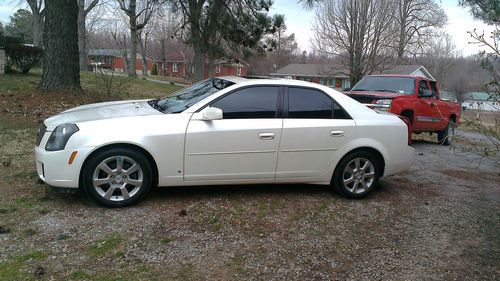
(439, 221)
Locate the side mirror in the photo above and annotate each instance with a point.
(426, 94)
(212, 113)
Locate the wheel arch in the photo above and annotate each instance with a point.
(131, 146)
(408, 113)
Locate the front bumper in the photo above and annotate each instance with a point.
(54, 169)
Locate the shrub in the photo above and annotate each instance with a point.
(23, 56)
(154, 71)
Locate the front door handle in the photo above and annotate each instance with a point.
(337, 133)
(266, 136)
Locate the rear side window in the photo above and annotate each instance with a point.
(309, 103)
(247, 103)
(313, 104)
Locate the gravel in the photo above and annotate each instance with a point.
(439, 221)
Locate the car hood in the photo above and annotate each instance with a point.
(99, 111)
(373, 94)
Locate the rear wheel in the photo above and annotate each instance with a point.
(445, 137)
(117, 177)
(357, 174)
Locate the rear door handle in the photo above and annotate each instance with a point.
(266, 136)
(337, 133)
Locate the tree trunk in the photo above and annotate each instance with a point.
(143, 55)
(82, 48)
(198, 63)
(163, 56)
(37, 29)
(60, 60)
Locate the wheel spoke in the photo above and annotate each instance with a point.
(365, 186)
(365, 166)
(101, 181)
(370, 175)
(125, 193)
(356, 162)
(131, 170)
(109, 193)
(133, 182)
(354, 187)
(119, 164)
(105, 168)
(349, 180)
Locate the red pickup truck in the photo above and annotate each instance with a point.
(414, 97)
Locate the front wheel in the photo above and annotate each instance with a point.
(357, 174)
(445, 137)
(117, 177)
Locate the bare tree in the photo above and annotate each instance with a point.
(138, 15)
(38, 11)
(282, 47)
(438, 56)
(359, 31)
(416, 22)
(83, 10)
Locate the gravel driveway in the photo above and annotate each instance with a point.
(440, 221)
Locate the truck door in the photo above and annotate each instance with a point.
(427, 116)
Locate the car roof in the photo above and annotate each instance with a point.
(255, 80)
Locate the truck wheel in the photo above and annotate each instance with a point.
(445, 137)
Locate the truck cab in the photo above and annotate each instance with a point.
(414, 97)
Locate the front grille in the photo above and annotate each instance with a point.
(39, 134)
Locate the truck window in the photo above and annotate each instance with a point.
(422, 86)
(434, 88)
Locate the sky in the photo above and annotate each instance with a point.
(300, 21)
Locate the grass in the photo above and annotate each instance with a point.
(11, 270)
(125, 87)
(106, 245)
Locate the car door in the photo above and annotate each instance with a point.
(315, 127)
(426, 116)
(243, 145)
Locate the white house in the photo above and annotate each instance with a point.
(481, 101)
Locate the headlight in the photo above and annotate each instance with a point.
(60, 136)
(383, 104)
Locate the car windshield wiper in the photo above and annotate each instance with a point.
(155, 104)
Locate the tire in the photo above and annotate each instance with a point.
(352, 184)
(445, 137)
(111, 186)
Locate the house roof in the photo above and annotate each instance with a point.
(410, 69)
(312, 70)
(112, 53)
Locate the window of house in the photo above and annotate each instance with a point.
(313, 104)
(175, 67)
(238, 71)
(217, 69)
(253, 102)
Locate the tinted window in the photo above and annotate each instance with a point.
(308, 103)
(255, 102)
(339, 112)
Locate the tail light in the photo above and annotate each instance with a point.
(408, 125)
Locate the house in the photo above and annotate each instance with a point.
(176, 65)
(334, 76)
(481, 101)
(114, 59)
(227, 67)
(411, 69)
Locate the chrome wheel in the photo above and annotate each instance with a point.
(358, 176)
(117, 178)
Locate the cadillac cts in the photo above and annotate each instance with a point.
(228, 130)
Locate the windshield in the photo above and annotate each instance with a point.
(186, 97)
(400, 85)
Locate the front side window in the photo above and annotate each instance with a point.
(309, 103)
(252, 102)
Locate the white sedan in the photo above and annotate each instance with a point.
(228, 130)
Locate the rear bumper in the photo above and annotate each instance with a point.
(54, 169)
(401, 161)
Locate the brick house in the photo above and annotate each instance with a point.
(334, 76)
(114, 59)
